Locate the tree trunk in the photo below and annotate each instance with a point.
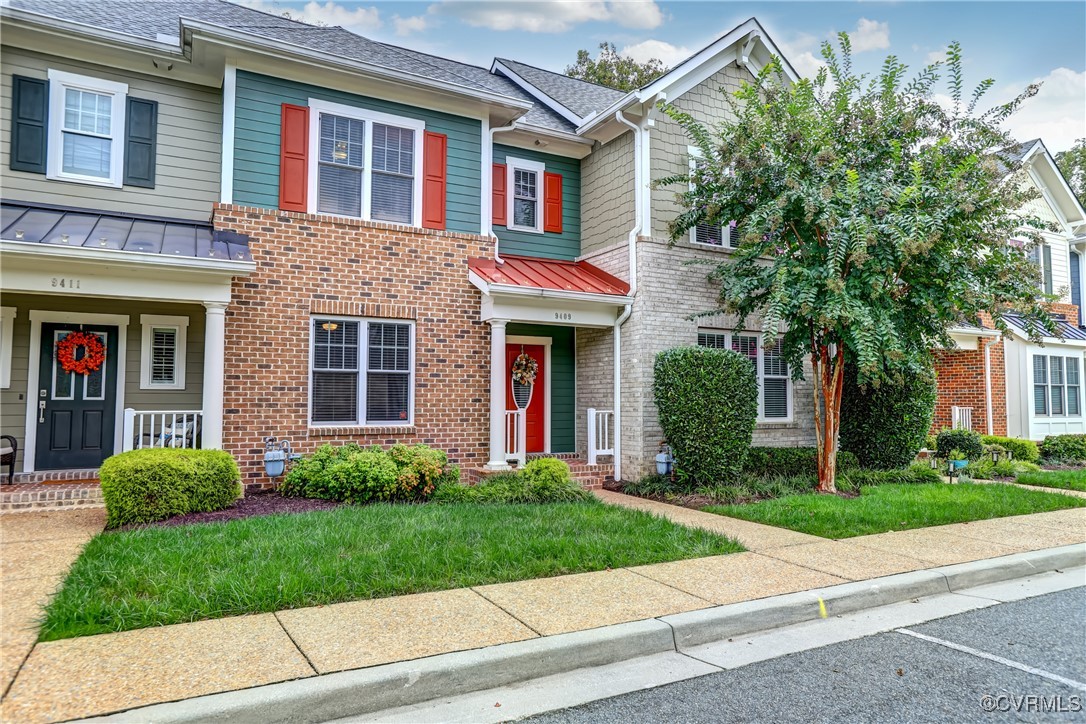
(829, 385)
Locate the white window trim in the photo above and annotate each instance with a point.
(511, 167)
(1033, 384)
(759, 371)
(363, 371)
(317, 107)
(694, 154)
(7, 338)
(59, 81)
(179, 325)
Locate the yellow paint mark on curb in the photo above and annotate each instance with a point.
(821, 608)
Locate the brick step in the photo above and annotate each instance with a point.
(59, 495)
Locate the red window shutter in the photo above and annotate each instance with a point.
(497, 186)
(552, 202)
(293, 158)
(433, 180)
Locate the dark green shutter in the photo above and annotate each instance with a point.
(1048, 268)
(140, 140)
(29, 116)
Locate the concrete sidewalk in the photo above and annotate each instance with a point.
(114, 672)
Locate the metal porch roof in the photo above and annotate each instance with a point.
(564, 276)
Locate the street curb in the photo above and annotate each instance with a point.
(364, 691)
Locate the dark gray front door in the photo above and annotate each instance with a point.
(76, 413)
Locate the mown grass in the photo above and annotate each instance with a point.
(883, 508)
(1065, 479)
(164, 575)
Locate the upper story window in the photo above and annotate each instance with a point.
(86, 129)
(774, 381)
(1041, 255)
(726, 236)
(365, 164)
(525, 201)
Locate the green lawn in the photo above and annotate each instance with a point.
(1066, 479)
(884, 508)
(164, 575)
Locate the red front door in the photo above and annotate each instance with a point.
(537, 406)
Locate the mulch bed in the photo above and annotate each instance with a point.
(264, 503)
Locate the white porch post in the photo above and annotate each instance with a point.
(497, 395)
(214, 370)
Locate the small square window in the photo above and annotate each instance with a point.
(162, 353)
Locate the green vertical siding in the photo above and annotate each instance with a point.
(563, 381)
(566, 245)
(256, 143)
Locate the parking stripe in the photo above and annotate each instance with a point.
(998, 659)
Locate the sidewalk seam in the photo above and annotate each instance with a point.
(508, 613)
(295, 644)
(711, 602)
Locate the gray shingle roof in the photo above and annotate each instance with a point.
(579, 96)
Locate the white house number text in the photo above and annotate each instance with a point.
(563, 316)
(64, 283)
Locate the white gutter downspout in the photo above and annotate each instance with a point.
(488, 154)
(988, 381)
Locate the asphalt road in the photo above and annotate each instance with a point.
(1037, 674)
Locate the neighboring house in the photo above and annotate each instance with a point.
(1010, 385)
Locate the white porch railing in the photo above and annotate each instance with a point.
(516, 435)
(961, 418)
(601, 437)
(162, 428)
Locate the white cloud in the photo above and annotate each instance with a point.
(645, 51)
(870, 35)
(553, 16)
(802, 52)
(936, 56)
(357, 18)
(414, 24)
(1055, 114)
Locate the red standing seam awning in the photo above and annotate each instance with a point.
(564, 276)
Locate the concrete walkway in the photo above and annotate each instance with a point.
(95, 675)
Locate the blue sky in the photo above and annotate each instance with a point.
(1015, 43)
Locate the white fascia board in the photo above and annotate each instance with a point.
(536, 93)
(1061, 186)
(111, 37)
(513, 290)
(283, 48)
(51, 253)
(973, 332)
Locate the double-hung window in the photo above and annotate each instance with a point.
(726, 236)
(365, 164)
(162, 353)
(362, 372)
(1041, 255)
(1056, 386)
(86, 129)
(774, 381)
(525, 212)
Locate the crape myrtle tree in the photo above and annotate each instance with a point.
(872, 218)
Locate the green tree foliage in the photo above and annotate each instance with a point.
(873, 218)
(707, 400)
(1072, 163)
(886, 422)
(614, 70)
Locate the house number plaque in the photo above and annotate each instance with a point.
(66, 283)
(563, 316)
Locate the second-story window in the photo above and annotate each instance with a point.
(726, 236)
(525, 201)
(366, 164)
(86, 128)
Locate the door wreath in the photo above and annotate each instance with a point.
(525, 370)
(94, 353)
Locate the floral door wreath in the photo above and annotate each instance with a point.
(525, 369)
(94, 352)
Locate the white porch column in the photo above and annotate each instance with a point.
(214, 370)
(497, 395)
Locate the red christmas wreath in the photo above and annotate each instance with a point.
(94, 352)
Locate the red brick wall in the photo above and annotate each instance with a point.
(309, 264)
(960, 383)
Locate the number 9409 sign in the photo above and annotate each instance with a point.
(563, 316)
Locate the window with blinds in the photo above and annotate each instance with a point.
(163, 355)
(525, 198)
(1057, 386)
(774, 380)
(726, 236)
(340, 165)
(393, 177)
(361, 372)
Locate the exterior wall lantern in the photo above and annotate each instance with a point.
(276, 455)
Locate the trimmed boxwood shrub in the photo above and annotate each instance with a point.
(707, 400)
(885, 426)
(967, 442)
(1024, 450)
(354, 474)
(142, 486)
(787, 462)
(517, 487)
(1066, 448)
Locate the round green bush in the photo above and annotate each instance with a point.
(707, 400)
(353, 474)
(1024, 450)
(1065, 448)
(886, 426)
(967, 442)
(142, 486)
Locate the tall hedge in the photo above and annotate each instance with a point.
(885, 426)
(707, 400)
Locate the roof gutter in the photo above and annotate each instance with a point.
(60, 26)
